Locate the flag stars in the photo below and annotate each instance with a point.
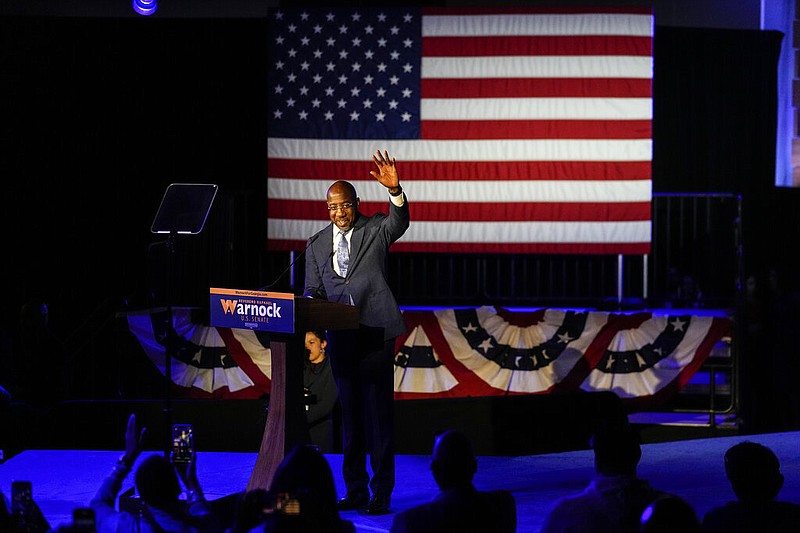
(469, 328)
(279, 15)
(678, 324)
(564, 338)
(319, 49)
(610, 363)
(486, 345)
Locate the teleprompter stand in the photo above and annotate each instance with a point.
(183, 211)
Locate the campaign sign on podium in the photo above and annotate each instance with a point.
(254, 310)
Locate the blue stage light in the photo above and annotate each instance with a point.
(145, 7)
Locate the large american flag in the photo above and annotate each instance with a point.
(519, 130)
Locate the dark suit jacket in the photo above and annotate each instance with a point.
(462, 510)
(366, 280)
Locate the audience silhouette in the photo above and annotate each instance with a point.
(249, 510)
(158, 485)
(459, 506)
(38, 360)
(33, 378)
(23, 517)
(755, 476)
(669, 514)
(302, 496)
(616, 497)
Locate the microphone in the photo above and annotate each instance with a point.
(311, 241)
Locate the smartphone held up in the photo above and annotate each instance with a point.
(182, 444)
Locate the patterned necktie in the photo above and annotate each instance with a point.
(343, 254)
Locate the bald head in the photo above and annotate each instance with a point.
(344, 189)
(453, 462)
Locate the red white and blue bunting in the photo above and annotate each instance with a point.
(644, 357)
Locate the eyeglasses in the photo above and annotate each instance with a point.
(334, 207)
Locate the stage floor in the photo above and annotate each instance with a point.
(66, 479)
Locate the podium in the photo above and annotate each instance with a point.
(286, 421)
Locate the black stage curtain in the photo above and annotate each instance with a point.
(715, 119)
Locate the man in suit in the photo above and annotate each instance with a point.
(346, 263)
(459, 506)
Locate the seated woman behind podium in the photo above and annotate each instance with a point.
(321, 394)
